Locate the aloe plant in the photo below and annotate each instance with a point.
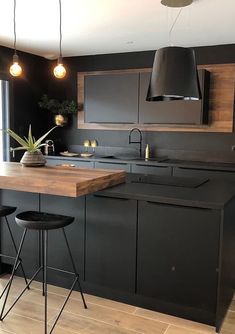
(29, 144)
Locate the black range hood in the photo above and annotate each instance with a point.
(174, 75)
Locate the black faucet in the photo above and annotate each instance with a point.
(136, 142)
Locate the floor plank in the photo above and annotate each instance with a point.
(103, 316)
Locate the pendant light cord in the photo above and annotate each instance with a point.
(173, 24)
(60, 29)
(14, 21)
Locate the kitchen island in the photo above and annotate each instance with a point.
(164, 243)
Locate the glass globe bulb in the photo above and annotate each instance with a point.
(59, 71)
(15, 69)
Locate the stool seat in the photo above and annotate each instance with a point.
(6, 210)
(42, 221)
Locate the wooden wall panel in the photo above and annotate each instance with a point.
(221, 103)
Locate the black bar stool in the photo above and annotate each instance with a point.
(43, 222)
(4, 212)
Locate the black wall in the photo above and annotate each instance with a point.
(38, 79)
(197, 146)
(25, 91)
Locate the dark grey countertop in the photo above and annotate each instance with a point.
(229, 167)
(211, 194)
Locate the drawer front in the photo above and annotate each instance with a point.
(212, 174)
(70, 163)
(147, 169)
(109, 165)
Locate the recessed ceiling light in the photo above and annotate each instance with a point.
(176, 3)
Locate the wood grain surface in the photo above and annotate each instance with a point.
(221, 103)
(57, 180)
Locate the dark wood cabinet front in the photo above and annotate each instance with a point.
(111, 98)
(174, 112)
(178, 255)
(111, 242)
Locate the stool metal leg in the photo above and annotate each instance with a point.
(13, 273)
(45, 253)
(14, 245)
(76, 280)
(41, 256)
(74, 268)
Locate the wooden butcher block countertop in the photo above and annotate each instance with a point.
(54, 180)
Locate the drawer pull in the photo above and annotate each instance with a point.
(111, 163)
(142, 165)
(112, 197)
(66, 165)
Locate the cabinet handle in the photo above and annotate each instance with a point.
(66, 165)
(111, 163)
(113, 197)
(178, 205)
(204, 169)
(142, 165)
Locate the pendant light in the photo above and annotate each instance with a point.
(15, 69)
(174, 74)
(59, 70)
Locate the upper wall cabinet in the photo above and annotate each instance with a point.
(111, 98)
(174, 112)
(115, 100)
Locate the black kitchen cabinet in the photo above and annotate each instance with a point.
(70, 163)
(24, 201)
(115, 165)
(211, 174)
(174, 112)
(58, 253)
(111, 98)
(111, 243)
(151, 169)
(178, 256)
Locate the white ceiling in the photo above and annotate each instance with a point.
(110, 26)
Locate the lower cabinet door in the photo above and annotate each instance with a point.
(178, 255)
(111, 242)
(155, 170)
(70, 163)
(58, 255)
(23, 201)
(110, 165)
(211, 174)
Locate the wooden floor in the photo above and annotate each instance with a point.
(103, 316)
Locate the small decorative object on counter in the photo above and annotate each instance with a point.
(33, 156)
(147, 152)
(86, 153)
(61, 109)
(94, 144)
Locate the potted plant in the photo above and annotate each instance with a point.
(33, 156)
(60, 109)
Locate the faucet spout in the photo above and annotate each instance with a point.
(134, 141)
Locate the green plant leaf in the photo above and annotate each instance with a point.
(30, 138)
(25, 148)
(38, 142)
(14, 135)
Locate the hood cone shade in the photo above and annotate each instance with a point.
(176, 3)
(174, 75)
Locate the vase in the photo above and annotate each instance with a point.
(33, 159)
(61, 120)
